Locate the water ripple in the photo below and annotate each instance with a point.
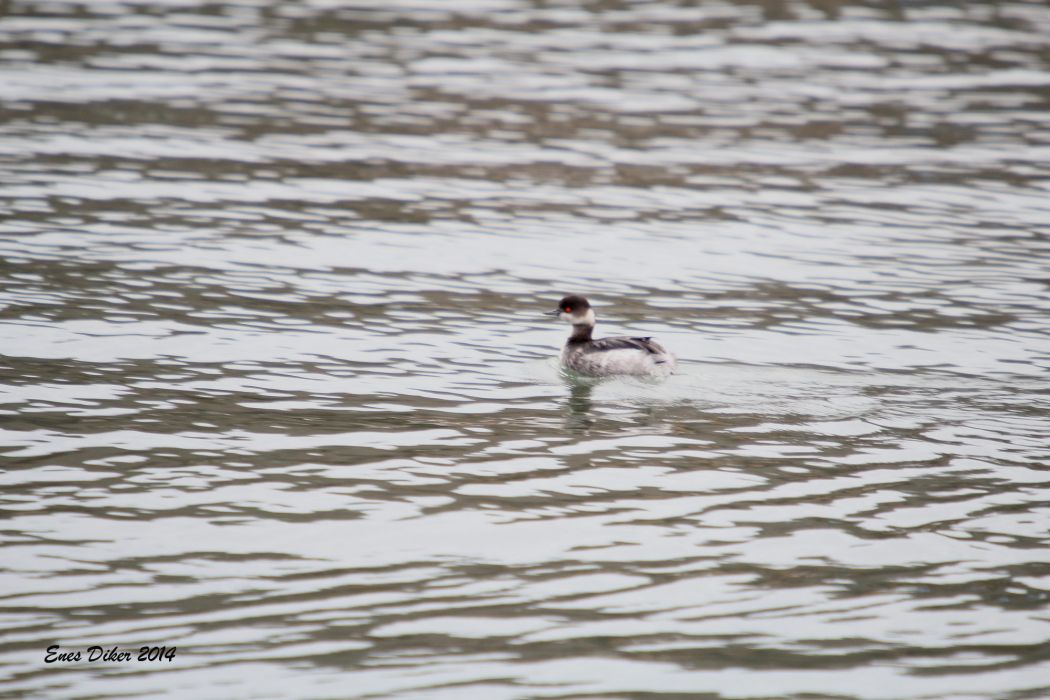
(277, 388)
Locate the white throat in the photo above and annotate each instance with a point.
(585, 319)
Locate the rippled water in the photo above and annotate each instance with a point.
(277, 389)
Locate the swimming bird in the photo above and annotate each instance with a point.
(606, 357)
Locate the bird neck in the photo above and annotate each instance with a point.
(581, 332)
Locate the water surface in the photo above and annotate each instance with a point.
(277, 388)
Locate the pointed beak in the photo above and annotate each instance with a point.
(556, 312)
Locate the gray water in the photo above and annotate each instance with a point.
(277, 389)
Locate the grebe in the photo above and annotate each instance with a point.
(607, 357)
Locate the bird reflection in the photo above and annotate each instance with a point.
(583, 415)
(579, 415)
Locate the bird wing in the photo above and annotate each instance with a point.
(623, 342)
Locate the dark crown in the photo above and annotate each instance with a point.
(573, 303)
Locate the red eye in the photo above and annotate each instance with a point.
(566, 309)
